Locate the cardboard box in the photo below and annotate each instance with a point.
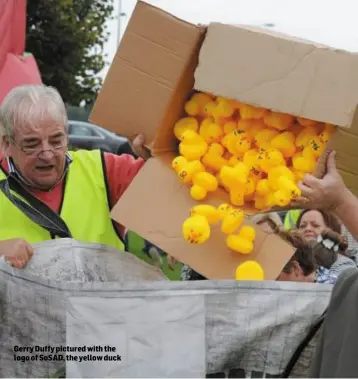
(145, 91)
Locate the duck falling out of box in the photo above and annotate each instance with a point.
(234, 117)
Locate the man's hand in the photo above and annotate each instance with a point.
(138, 147)
(325, 193)
(16, 252)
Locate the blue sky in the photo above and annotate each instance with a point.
(330, 22)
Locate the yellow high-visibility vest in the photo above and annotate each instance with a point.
(291, 218)
(85, 206)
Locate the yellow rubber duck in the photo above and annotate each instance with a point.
(213, 159)
(243, 242)
(195, 106)
(285, 143)
(184, 124)
(232, 220)
(263, 187)
(229, 126)
(259, 202)
(211, 213)
(209, 109)
(250, 271)
(271, 158)
(249, 112)
(203, 182)
(192, 145)
(251, 160)
(189, 170)
(304, 163)
(299, 175)
(233, 161)
(196, 229)
(315, 147)
(304, 136)
(289, 186)
(327, 133)
(224, 209)
(250, 186)
(237, 142)
(237, 196)
(243, 144)
(270, 200)
(279, 121)
(282, 198)
(256, 126)
(307, 122)
(178, 163)
(275, 173)
(223, 110)
(210, 131)
(263, 138)
(234, 176)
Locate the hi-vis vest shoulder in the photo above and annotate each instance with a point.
(85, 207)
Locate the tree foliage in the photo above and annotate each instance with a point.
(67, 38)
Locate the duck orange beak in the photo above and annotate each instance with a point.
(194, 235)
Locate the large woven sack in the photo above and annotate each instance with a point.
(160, 328)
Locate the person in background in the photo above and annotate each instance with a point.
(80, 188)
(303, 267)
(268, 222)
(290, 222)
(312, 222)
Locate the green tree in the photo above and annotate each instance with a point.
(67, 38)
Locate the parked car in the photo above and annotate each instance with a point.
(84, 135)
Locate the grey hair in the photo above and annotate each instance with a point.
(26, 105)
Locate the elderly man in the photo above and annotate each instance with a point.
(81, 187)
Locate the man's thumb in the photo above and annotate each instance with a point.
(331, 162)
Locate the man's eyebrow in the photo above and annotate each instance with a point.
(58, 134)
(30, 139)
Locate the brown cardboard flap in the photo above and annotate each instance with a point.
(155, 206)
(137, 94)
(280, 73)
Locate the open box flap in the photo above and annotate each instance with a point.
(344, 142)
(280, 73)
(155, 206)
(141, 92)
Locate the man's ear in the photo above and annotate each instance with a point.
(5, 146)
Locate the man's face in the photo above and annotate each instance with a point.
(38, 151)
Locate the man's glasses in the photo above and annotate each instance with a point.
(60, 144)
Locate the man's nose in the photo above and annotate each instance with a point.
(46, 151)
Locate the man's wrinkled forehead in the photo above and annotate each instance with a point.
(44, 127)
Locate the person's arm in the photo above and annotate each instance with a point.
(347, 211)
(120, 171)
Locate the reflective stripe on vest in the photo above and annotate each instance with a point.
(84, 207)
(291, 218)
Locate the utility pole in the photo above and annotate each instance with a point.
(119, 21)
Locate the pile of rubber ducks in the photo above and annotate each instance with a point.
(240, 238)
(256, 155)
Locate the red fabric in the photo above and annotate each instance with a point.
(120, 170)
(18, 71)
(15, 70)
(18, 26)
